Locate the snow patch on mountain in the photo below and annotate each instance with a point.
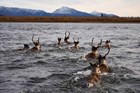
(70, 12)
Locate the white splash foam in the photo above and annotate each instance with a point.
(104, 73)
(90, 85)
(88, 72)
(76, 78)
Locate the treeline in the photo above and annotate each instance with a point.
(70, 19)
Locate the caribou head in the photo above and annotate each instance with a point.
(95, 48)
(26, 47)
(107, 44)
(67, 36)
(102, 59)
(37, 44)
(59, 40)
(103, 62)
(76, 42)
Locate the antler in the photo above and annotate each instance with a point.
(33, 38)
(99, 44)
(107, 41)
(92, 42)
(34, 41)
(107, 52)
(75, 40)
(66, 33)
(38, 40)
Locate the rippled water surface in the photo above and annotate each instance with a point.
(55, 70)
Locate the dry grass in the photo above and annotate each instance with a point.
(71, 19)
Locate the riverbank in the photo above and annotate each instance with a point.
(71, 19)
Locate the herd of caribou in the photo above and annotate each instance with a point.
(96, 60)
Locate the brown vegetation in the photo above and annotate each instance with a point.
(70, 19)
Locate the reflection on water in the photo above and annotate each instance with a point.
(58, 70)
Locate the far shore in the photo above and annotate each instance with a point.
(70, 19)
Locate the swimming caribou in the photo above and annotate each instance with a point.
(95, 78)
(67, 36)
(25, 48)
(76, 44)
(37, 46)
(107, 44)
(94, 51)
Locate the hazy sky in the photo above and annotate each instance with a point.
(119, 7)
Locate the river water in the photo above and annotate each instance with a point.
(57, 70)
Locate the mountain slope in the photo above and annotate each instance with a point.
(10, 11)
(70, 12)
(99, 14)
(63, 11)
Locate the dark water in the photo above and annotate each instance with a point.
(55, 70)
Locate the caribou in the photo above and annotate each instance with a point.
(67, 36)
(37, 46)
(94, 53)
(107, 44)
(25, 48)
(76, 46)
(103, 63)
(94, 78)
(100, 68)
(59, 41)
(76, 42)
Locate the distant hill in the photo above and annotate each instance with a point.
(70, 12)
(63, 11)
(10, 11)
(99, 14)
